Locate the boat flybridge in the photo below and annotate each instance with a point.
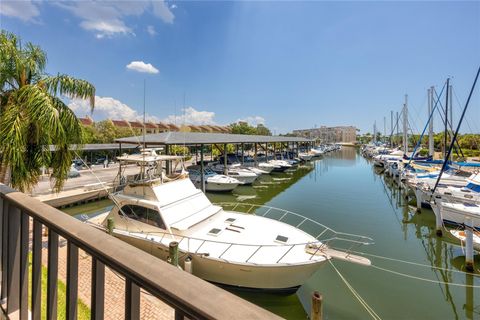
(260, 248)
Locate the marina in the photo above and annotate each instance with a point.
(432, 268)
(165, 159)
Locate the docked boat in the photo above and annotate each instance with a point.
(280, 165)
(305, 156)
(460, 235)
(214, 182)
(243, 175)
(457, 212)
(317, 152)
(222, 246)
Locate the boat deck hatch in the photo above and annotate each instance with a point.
(230, 220)
(214, 231)
(281, 239)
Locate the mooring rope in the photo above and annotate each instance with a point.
(407, 262)
(424, 279)
(362, 301)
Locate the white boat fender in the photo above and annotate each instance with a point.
(188, 267)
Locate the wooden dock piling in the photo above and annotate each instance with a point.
(316, 312)
(173, 253)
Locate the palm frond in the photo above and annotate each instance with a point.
(38, 104)
(74, 88)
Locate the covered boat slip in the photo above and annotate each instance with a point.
(219, 141)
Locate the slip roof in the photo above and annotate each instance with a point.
(195, 138)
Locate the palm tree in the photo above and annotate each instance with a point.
(33, 115)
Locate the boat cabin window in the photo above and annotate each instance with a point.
(473, 186)
(143, 214)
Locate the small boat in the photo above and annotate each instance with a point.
(214, 182)
(245, 176)
(460, 235)
(280, 165)
(305, 156)
(317, 152)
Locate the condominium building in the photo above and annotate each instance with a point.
(329, 134)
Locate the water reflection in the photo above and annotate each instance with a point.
(442, 253)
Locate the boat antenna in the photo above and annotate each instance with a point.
(144, 130)
(144, 115)
(456, 131)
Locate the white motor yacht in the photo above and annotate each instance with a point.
(222, 246)
(280, 165)
(214, 182)
(317, 152)
(245, 176)
(305, 156)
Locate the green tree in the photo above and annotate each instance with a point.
(262, 130)
(242, 127)
(33, 116)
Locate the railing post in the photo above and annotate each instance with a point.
(13, 261)
(179, 314)
(98, 289)
(72, 280)
(36, 270)
(3, 294)
(132, 300)
(24, 249)
(52, 271)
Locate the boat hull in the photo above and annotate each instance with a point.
(276, 278)
(454, 216)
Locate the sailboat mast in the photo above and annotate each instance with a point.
(431, 150)
(449, 91)
(391, 128)
(398, 129)
(405, 125)
(446, 121)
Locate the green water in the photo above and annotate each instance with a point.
(344, 192)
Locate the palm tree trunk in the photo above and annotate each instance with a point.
(5, 174)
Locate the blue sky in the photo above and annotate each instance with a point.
(289, 64)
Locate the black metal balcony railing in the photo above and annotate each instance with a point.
(191, 297)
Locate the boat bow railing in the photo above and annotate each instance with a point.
(319, 231)
(325, 238)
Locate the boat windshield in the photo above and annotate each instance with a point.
(209, 171)
(144, 214)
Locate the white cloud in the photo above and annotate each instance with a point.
(141, 66)
(25, 10)
(192, 116)
(253, 120)
(151, 30)
(161, 10)
(106, 28)
(106, 18)
(108, 108)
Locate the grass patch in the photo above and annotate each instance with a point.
(83, 312)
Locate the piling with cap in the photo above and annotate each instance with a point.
(173, 253)
(316, 312)
(110, 225)
(438, 217)
(469, 244)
